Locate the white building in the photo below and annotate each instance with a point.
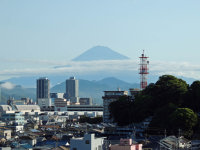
(57, 95)
(4, 109)
(109, 97)
(28, 108)
(5, 132)
(88, 142)
(172, 142)
(60, 104)
(85, 101)
(44, 102)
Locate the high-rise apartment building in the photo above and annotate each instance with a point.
(109, 97)
(43, 88)
(72, 89)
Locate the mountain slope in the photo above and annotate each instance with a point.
(95, 89)
(17, 92)
(100, 53)
(115, 83)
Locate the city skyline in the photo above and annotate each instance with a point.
(39, 35)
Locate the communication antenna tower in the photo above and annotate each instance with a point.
(144, 63)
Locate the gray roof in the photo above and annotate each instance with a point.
(27, 107)
(5, 108)
(19, 107)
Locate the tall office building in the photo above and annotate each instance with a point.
(72, 87)
(43, 88)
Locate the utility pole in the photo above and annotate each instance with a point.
(165, 133)
(179, 135)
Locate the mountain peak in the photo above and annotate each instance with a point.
(100, 53)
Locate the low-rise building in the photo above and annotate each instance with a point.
(126, 144)
(172, 142)
(29, 140)
(16, 118)
(85, 101)
(4, 109)
(22, 101)
(60, 104)
(5, 133)
(44, 102)
(15, 121)
(88, 142)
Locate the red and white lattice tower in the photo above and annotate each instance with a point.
(143, 71)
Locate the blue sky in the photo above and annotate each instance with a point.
(37, 34)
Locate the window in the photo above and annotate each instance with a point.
(87, 142)
(99, 147)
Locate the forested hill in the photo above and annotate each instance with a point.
(171, 102)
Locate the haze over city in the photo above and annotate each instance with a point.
(36, 36)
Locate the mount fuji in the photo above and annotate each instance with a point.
(100, 53)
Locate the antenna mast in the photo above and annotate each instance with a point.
(143, 71)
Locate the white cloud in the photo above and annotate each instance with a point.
(7, 85)
(156, 68)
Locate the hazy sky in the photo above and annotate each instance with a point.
(49, 32)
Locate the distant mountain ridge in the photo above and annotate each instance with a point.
(16, 92)
(93, 89)
(100, 53)
(87, 88)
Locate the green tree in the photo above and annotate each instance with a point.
(143, 107)
(159, 100)
(162, 117)
(169, 89)
(185, 119)
(192, 100)
(94, 120)
(121, 111)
